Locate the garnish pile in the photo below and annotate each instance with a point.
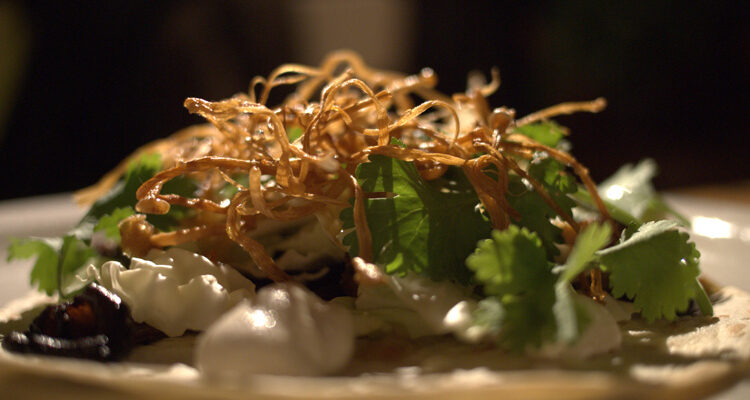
(403, 177)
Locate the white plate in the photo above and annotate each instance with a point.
(722, 234)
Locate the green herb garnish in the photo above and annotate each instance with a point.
(418, 227)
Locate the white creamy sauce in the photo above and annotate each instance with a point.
(620, 310)
(308, 244)
(460, 321)
(425, 307)
(285, 330)
(298, 250)
(602, 334)
(415, 303)
(174, 290)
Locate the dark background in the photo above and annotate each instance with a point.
(101, 78)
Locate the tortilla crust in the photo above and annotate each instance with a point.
(690, 358)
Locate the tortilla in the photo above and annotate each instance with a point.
(689, 358)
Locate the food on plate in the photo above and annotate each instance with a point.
(95, 325)
(366, 224)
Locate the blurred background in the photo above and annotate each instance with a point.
(84, 84)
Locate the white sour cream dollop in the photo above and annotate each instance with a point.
(286, 330)
(175, 290)
(602, 334)
(418, 304)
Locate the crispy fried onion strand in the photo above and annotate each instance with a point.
(359, 112)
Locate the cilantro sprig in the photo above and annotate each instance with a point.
(657, 268)
(430, 228)
(512, 266)
(535, 213)
(123, 193)
(630, 196)
(58, 260)
(531, 300)
(109, 223)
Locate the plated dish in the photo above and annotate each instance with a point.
(368, 243)
(721, 259)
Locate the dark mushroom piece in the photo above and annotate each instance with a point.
(95, 325)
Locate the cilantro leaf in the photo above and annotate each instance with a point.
(57, 259)
(528, 304)
(551, 173)
(512, 262)
(547, 133)
(630, 189)
(123, 195)
(589, 241)
(229, 190)
(294, 133)
(182, 186)
(559, 184)
(570, 318)
(535, 214)
(108, 223)
(425, 228)
(397, 142)
(583, 197)
(701, 299)
(73, 256)
(655, 266)
(514, 319)
(489, 315)
(44, 271)
(528, 321)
